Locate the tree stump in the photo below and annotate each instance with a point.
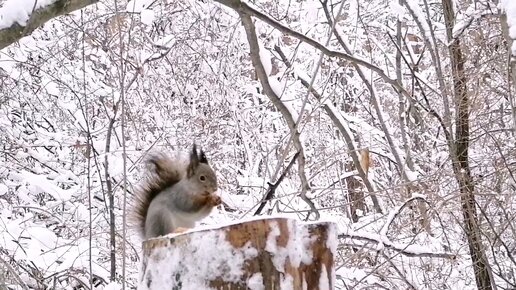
(265, 254)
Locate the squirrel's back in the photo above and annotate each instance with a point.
(163, 172)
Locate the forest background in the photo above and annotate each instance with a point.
(397, 116)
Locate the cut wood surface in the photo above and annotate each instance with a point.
(273, 253)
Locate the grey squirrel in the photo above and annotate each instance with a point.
(173, 198)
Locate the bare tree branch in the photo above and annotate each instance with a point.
(343, 129)
(356, 240)
(38, 17)
(273, 186)
(244, 8)
(461, 157)
(275, 99)
(380, 241)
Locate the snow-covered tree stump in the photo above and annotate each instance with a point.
(274, 253)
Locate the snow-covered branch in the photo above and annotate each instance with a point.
(19, 18)
(244, 8)
(275, 99)
(355, 239)
(396, 212)
(381, 241)
(339, 123)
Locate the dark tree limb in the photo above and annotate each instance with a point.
(272, 187)
(460, 157)
(38, 17)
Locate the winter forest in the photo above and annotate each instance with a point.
(394, 119)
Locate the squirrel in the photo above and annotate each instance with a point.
(173, 198)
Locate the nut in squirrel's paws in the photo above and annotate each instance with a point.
(215, 200)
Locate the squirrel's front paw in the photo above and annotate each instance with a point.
(215, 200)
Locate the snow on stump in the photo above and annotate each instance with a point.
(265, 254)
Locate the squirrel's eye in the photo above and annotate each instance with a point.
(202, 178)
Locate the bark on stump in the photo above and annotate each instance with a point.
(266, 254)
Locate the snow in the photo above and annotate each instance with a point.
(138, 5)
(509, 6)
(287, 282)
(332, 241)
(113, 286)
(210, 261)
(227, 262)
(82, 213)
(300, 73)
(40, 246)
(413, 5)
(256, 282)
(19, 11)
(42, 240)
(397, 9)
(279, 87)
(147, 16)
(271, 246)
(40, 183)
(296, 250)
(324, 283)
(411, 175)
(49, 83)
(460, 26)
(3, 189)
(266, 59)
(381, 241)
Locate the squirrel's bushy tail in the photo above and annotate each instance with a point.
(163, 172)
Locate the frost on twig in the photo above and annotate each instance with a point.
(381, 241)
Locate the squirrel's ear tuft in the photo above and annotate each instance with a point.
(202, 157)
(194, 162)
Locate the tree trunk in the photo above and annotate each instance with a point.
(459, 155)
(267, 254)
(512, 65)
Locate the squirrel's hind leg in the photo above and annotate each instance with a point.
(159, 223)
